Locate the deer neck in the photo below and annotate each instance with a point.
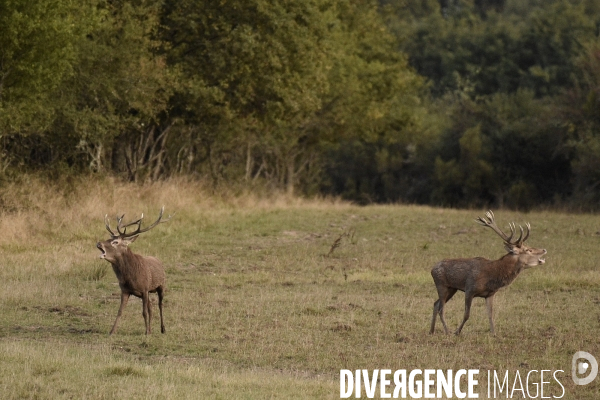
(507, 268)
(125, 265)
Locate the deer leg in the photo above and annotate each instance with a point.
(445, 294)
(468, 301)
(145, 307)
(489, 304)
(449, 293)
(435, 313)
(124, 300)
(149, 314)
(159, 292)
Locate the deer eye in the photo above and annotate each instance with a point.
(114, 242)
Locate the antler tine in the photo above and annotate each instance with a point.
(528, 228)
(491, 223)
(122, 229)
(139, 223)
(119, 224)
(513, 229)
(108, 226)
(484, 221)
(519, 241)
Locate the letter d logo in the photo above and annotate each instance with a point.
(580, 367)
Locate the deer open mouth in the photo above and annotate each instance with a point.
(102, 251)
(542, 260)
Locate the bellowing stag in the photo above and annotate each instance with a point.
(480, 277)
(138, 275)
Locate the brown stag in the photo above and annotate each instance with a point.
(480, 277)
(138, 275)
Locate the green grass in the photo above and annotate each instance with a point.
(256, 308)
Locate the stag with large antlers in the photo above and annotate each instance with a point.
(138, 275)
(479, 277)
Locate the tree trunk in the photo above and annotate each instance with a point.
(249, 162)
(291, 175)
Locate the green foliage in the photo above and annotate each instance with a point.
(99, 82)
(257, 72)
(468, 180)
(276, 83)
(122, 86)
(462, 102)
(37, 48)
(513, 144)
(500, 51)
(581, 121)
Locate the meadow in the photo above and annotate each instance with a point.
(261, 304)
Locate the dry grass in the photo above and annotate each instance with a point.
(257, 308)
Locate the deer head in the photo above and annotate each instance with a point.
(112, 249)
(528, 256)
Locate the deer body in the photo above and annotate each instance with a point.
(480, 277)
(137, 275)
(484, 277)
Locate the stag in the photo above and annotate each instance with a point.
(138, 275)
(480, 277)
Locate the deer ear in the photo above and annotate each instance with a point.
(130, 240)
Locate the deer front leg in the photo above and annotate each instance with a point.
(124, 300)
(468, 301)
(149, 314)
(489, 305)
(146, 311)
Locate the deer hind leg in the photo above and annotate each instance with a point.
(445, 294)
(489, 304)
(146, 311)
(435, 313)
(124, 300)
(468, 301)
(159, 292)
(450, 292)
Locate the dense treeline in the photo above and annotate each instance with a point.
(451, 102)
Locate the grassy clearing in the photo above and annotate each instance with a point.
(256, 308)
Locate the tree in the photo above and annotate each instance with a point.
(520, 148)
(377, 111)
(261, 63)
(116, 102)
(37, 49)
(580, 118)
(272, 83)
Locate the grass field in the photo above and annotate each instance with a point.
(258, 305)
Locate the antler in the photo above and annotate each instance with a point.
(112, 234)
(122, 229)
(528, 227)
(489, 221)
